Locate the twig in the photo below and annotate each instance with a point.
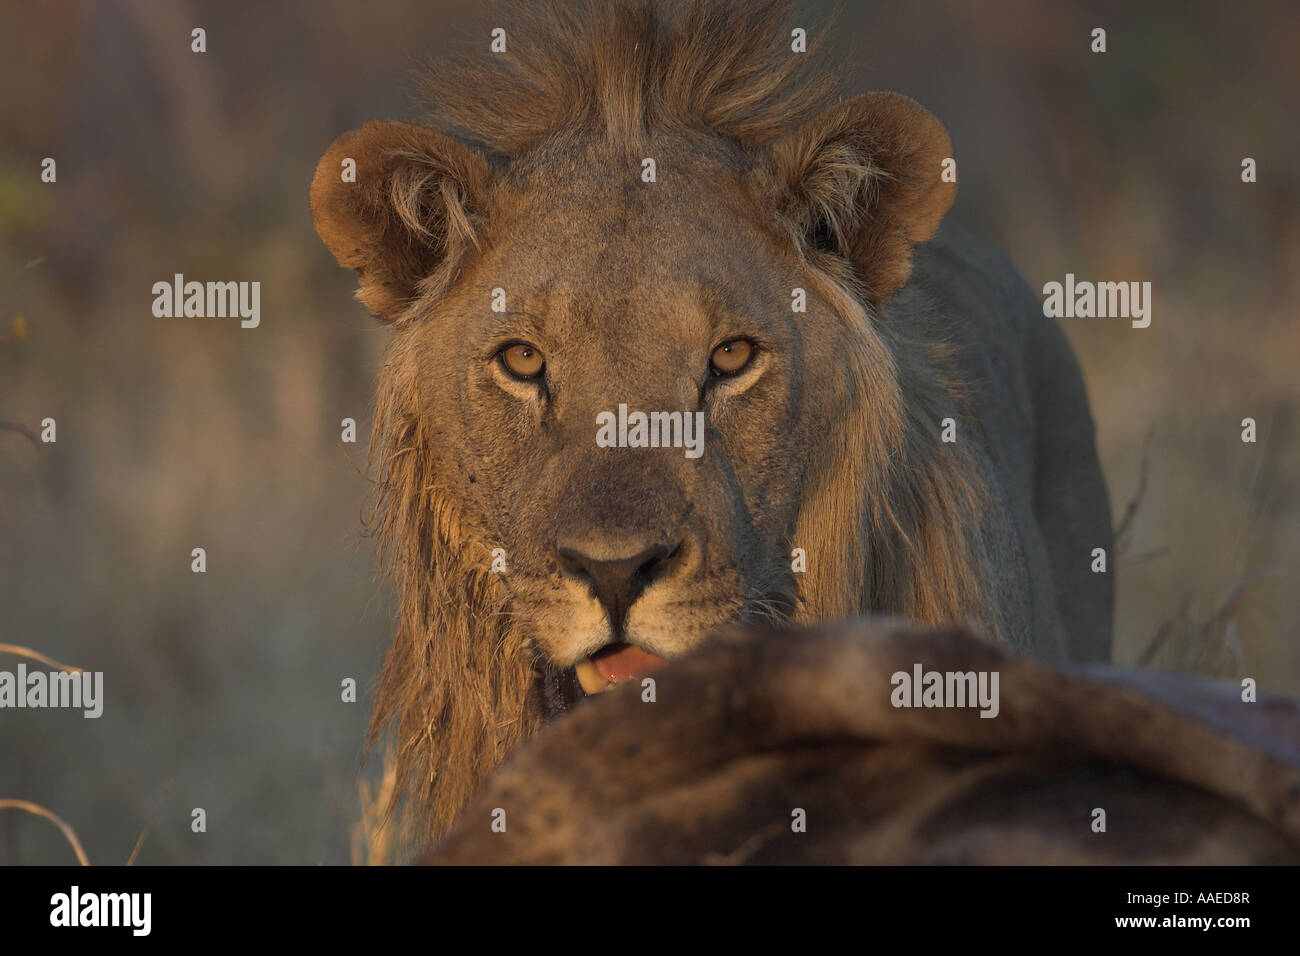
(1136, 500)
(23, 430)
(1229, 602)
(36, 656)
(149, 823)
(1145, 556)
(35, 808)
(1252, 501)
(1166, 629)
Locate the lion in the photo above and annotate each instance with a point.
(664, 210)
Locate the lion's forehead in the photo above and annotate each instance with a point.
(599, 210)
(615, 275)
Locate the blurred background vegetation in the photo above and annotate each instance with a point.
(196, 433)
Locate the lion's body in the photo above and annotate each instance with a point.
(625, 193)
(1048, 506)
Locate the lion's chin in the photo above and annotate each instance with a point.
(615, 664)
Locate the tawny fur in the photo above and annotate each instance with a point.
(895, 512)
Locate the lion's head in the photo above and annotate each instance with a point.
(639, 211)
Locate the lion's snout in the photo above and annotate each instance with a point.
(617, 582)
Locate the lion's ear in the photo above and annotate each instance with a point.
(399, 204)
(863, 181)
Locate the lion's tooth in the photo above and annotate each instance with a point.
(591, 680)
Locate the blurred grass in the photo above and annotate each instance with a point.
(187, 433)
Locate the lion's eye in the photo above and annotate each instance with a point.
(730, 358)
(522, 361)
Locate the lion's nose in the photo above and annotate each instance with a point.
(617, 582)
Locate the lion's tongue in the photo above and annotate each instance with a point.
(622, 662)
